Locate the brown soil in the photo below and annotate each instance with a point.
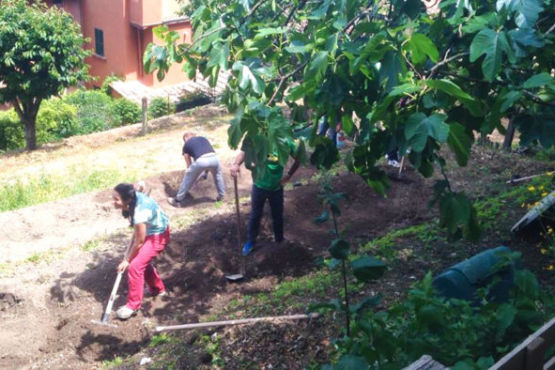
(46, 307)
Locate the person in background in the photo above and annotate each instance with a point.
(151, 234)
(268, 187)
(200, 157)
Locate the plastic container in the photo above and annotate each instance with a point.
(465, 278)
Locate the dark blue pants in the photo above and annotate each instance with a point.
(258, 199)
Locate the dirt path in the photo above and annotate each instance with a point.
(68, 222)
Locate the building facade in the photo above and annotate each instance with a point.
(119, 31)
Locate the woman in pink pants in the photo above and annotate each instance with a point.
(151, 234)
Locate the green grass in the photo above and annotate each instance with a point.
(90, 245)
(42, 188)
(117, 361)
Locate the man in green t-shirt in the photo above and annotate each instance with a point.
(268, 187)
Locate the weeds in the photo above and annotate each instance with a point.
(212, 346)
(15, 194)
(90, 245)
(160, 339)
(117, 361)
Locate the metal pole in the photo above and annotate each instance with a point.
(237, 322)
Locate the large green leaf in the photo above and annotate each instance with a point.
(322, 218)
(395, 94)
(339, 249)
(325, 153)
(494, 44)
(368, 268)
(538, 80)
(263, 32)
(455, 211)
(219, 56)
(234, 133)
(449, 87)
(421, 46)
(527, 10)
(317, 67)
(508, 99)
(537, 128)
(247, 77)
(391, 68)
(460, 142)
(505, 315)
(419, 127)
(365, 303)
(298, 46)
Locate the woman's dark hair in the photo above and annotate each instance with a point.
(128, 196)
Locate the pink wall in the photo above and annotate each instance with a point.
(124, 43)
(145, 12)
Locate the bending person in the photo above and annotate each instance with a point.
(203, 159)
(151, 234)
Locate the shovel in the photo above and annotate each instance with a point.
(241, 274)
(108, 311)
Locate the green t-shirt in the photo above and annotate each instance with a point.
(271, 177)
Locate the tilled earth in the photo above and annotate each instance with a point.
(46, 307)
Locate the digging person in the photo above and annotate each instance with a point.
(269, 186)
(151, 234)
(204, 159)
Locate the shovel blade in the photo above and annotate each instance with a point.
(234, 277)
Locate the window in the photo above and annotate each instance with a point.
(98, 42)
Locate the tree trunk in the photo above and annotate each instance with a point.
(27, 111)
(30, 134)
(509, 135)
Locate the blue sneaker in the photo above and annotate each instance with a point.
(247, 249)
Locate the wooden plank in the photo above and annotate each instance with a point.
(516, 359)
(426, 362)
(550, 365)
(534, 354)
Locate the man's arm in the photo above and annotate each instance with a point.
(236, 165)
(291, 171)
(187, 159)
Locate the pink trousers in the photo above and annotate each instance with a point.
(140, 269)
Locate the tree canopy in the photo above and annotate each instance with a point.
(395, 74)
(42, 53)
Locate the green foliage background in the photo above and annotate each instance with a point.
(80, 112)
(42, 54)
(393, 73)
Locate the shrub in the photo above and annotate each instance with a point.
(159, 107)
(193, 99)
(124, 112)
(56, 119)
(93, 110)
(12, 135)
(453, 332)
(105, 88)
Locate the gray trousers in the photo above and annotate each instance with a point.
(207, 162)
